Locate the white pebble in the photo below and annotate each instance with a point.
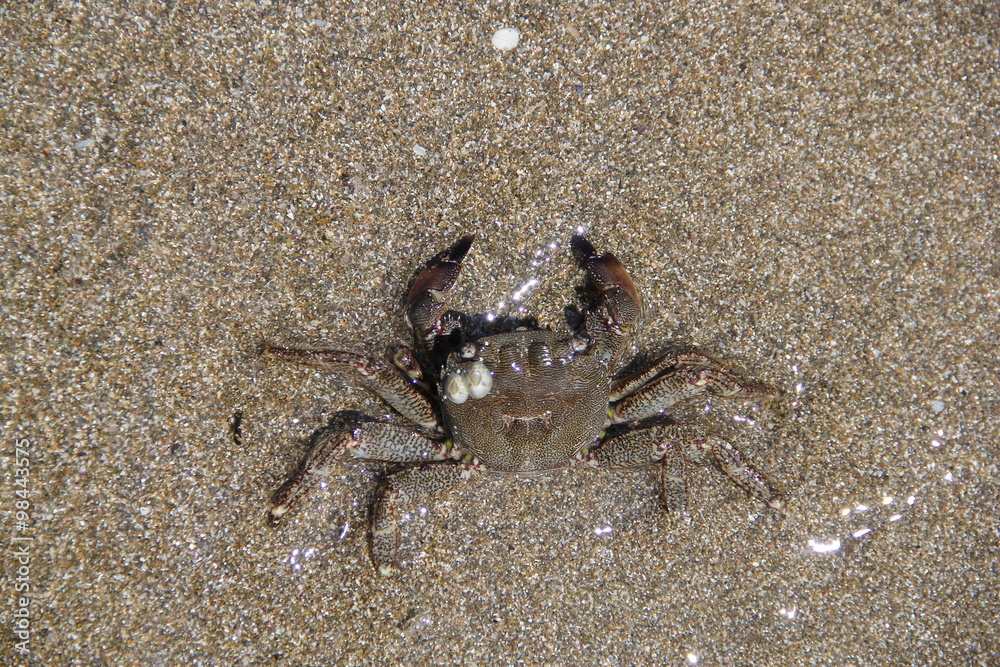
(83, 143)
(506, 39)
(420, 150)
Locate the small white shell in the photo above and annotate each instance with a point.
(456, 389)
(478, 378)
(506, 39)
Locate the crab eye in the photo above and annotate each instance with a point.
(456, 388)
(478, 378)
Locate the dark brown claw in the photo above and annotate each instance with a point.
(426, 303)
(619, 297)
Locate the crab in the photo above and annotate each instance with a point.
(520, 401)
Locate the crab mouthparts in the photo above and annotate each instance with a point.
(545, 418)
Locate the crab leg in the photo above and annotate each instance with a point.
(670, 445)
(622, 388)
(426, 302)
(682, 382)
(407, 486)
(376, 441)
(382, 378)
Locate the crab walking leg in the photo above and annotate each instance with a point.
(681, 384)
(369, 440)
(407, 486)
(379, 376)
(626, 386)
(670, 445)
(732, 462)
(644, 447)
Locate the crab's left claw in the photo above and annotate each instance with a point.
(619, 297)
(426, 302)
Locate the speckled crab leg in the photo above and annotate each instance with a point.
(375, 441)
(686, 380)
(687, 357)
(402, 487)
(381, 377)
(670, 445)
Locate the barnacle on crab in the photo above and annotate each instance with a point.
(520, 401)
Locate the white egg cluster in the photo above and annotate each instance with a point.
(472, 380)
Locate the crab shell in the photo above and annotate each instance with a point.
(547, 400)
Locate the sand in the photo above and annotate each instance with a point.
(809, 194)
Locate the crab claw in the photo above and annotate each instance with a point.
(619, 298)
(426, 302)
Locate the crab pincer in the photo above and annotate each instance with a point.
(619, 298)
(426, 302)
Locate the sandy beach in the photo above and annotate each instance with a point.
(809, 194)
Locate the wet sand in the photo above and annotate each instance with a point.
(810, 196)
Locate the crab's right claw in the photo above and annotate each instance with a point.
(619, 297)
(426, 302)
